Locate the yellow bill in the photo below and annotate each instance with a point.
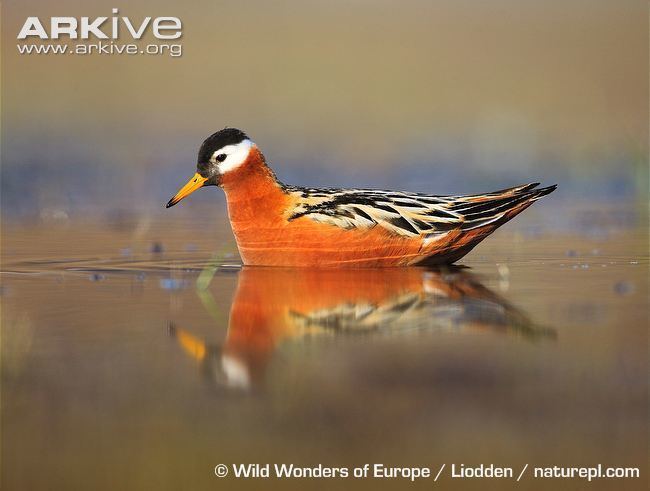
(193, 184)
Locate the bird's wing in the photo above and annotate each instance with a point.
(406, 214)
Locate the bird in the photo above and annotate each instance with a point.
(276, 307)
(276, 224)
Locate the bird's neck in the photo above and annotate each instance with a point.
(252, 191)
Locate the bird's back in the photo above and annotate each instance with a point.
(363, 227)
(413, 215)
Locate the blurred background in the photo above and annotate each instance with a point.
(138, 354)
(433, 96)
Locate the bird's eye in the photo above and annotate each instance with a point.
(221, 157)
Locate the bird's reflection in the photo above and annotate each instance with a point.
(273, 306)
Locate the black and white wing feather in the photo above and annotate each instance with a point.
(407, 214)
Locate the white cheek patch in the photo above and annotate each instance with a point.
(236, 156)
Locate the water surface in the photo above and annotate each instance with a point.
(140, 355)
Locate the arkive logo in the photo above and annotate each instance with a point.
(101, 27)
(103, 35)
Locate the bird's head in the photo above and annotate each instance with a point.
(221, 153)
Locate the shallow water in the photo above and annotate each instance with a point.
(140, 355)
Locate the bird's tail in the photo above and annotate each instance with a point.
(483, 214)
(498, 207)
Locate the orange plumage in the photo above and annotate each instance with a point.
(278, 225)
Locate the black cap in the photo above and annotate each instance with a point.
(226, 136)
